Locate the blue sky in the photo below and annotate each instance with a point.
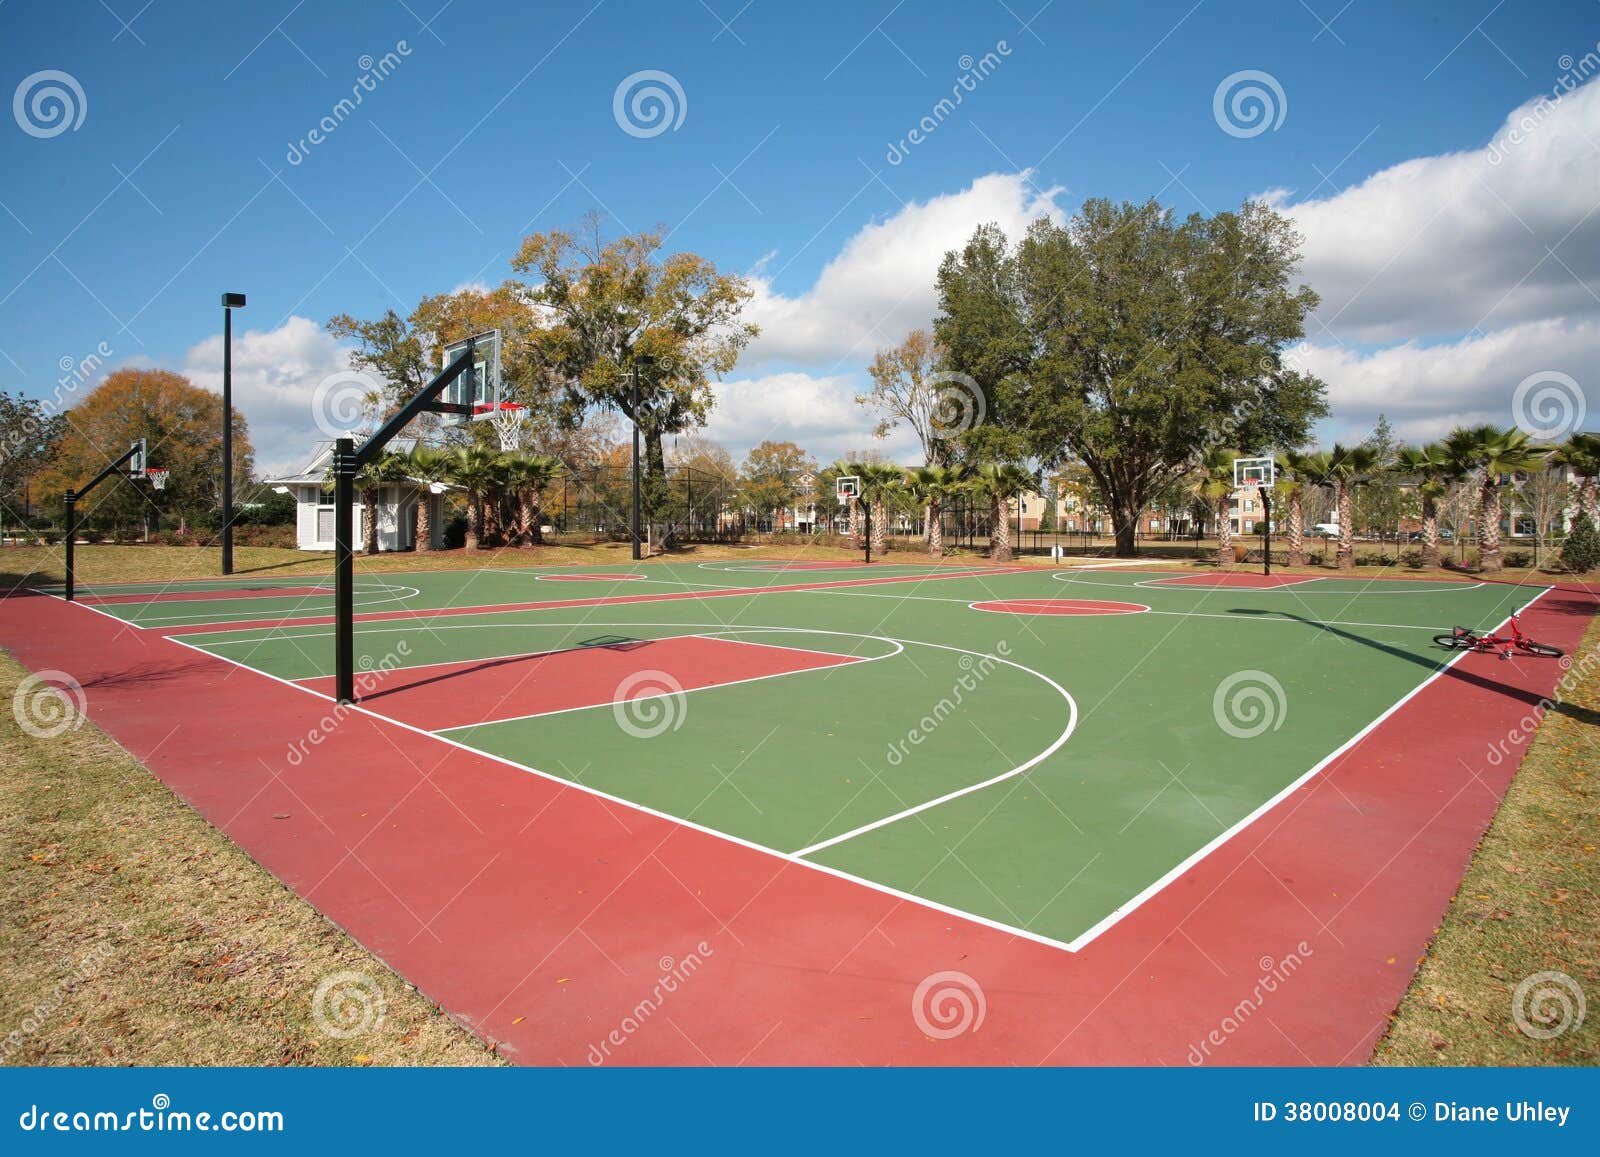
(497, 120)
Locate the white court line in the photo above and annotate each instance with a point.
(192, 619)
(1075, 945)
(844, 661)
(1124, 910)
(787, 857)
(1072, 724)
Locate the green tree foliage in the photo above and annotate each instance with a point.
(1581, 551)
(1581, 455)
(182, 425)
(608, 303)
(1128, 340)
(28, 435)
(1383, 501)
(771, 479)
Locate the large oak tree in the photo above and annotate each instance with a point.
(1130, 341)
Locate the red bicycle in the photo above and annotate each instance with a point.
(1516, 643)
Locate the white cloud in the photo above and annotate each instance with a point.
(881, 285)
(1425, 390)
(275, 373)
(819, 414)
(1483, 239)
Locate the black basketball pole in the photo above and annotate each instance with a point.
(72, 534)
(230, 302)
(344, 564)
(347, 463)
(635, 517)
(1266, 505)
(71, 519)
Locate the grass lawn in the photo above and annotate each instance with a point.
(135, 933)
(1527, 905)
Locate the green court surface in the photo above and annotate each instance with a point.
(1043, 772)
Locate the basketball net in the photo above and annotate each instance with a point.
(507, 422)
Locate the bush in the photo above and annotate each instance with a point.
(1374, 560)
(455, 532)
(1517, 558)
(1412, 558)
(1581, 551)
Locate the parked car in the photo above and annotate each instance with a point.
(1326, 529)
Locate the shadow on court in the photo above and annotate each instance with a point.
(1457, 673)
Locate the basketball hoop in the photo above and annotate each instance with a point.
(157, 476)
(507, 418)
(847, 487)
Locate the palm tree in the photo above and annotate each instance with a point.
(476, 469)
(1430, 469)
(931, 485)
(425, 464)
(1349, 467)
(1212, 483)
(878, 481)
(526, 476)
(1488, 455)
(1581, 455)
(1293, 478)
(999, 482)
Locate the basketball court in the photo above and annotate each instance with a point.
(1036, 751)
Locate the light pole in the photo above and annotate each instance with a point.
(230, 302)
(639, 360)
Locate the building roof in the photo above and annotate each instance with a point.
(316, 471)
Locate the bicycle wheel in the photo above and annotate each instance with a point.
(1451, 642)
(1541, 649)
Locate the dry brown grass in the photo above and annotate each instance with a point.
(135, 933)
(1527, 905)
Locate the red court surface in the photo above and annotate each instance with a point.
(243, 592)
(1236, 579)
(448, 695)
(541, 916)
(1059, 607)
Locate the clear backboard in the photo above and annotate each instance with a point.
(847, 487)
(1254, 472)
(482, 385)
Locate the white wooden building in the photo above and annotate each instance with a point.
(312, 488)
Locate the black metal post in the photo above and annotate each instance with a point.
(635, 521)
(866, 524)
(72, 533)
(347, 462)
(344, 567)
(230, 301)
(1266, 505)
